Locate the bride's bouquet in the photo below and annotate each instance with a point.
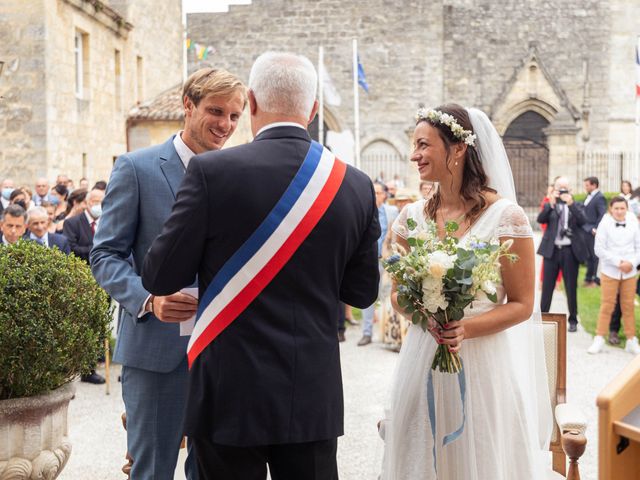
(438, 279)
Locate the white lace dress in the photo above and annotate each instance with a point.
(501, 437)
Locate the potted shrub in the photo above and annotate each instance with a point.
(53, 321)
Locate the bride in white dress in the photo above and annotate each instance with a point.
(508, 417)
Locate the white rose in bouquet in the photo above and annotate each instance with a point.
(439, 263)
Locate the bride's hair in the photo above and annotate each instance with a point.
(474, 178)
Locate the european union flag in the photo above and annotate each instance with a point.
(362, 79)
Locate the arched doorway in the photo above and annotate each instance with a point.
(526, 146)
(382, 161)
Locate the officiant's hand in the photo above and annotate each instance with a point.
(452, 335)
(175, 308)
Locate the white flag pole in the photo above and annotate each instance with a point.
(321, 94)
(356, 104)
(184, 43)
(637, 152)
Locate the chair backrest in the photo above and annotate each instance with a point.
(554, 327)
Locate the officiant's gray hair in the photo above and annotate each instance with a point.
(284, 83)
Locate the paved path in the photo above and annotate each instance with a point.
(99, 441)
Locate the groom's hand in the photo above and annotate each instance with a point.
(452, 335)
(177, 307)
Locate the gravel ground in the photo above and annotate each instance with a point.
(99, 441)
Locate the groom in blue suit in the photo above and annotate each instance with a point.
(141, 192)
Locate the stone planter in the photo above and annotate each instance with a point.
(33, 435)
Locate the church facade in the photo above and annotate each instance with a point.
(556, 77)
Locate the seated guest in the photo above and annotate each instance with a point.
(617, 245)
(38, 223)
(14, 224)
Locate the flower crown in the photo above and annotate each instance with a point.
(436, 116)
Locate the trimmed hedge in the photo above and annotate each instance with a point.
(580, 197)
(53, 319)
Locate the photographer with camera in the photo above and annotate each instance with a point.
(563, 247)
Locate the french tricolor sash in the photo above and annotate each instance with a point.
(269, 248)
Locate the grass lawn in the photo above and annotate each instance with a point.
(589, 306)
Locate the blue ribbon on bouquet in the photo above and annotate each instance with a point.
(462, 383)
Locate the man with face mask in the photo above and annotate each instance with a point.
(80, 229)
(7, 189)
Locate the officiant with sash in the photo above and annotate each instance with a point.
(265, 381)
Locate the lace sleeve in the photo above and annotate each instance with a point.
(514, 223)
(400, 227)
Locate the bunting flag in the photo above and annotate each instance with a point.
(201, 51)
(362, 79)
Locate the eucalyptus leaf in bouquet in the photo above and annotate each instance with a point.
(438, 278)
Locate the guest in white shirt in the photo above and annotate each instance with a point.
(617, 244)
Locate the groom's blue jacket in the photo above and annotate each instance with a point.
(139, 197)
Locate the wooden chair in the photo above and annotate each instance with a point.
(568, 438)
(619, 426)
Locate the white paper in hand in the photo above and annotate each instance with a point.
(186, 327)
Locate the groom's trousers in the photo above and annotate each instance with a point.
(294, 461)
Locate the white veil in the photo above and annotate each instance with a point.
(527, 338)
(492, 154)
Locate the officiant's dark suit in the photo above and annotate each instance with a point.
(562, 250)
(272, 379)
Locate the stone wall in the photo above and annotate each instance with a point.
(94, 127)
(399, 47)
(485, 41)
(455, 50)
(624, 31)
(23, 134)
(51, 129)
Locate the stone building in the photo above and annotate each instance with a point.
(556, 77)
(72, 71)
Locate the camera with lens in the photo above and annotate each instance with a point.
(560, 193)
(566, 232)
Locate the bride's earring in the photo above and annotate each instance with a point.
(456, 164)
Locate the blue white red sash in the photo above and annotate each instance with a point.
(269, 248)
